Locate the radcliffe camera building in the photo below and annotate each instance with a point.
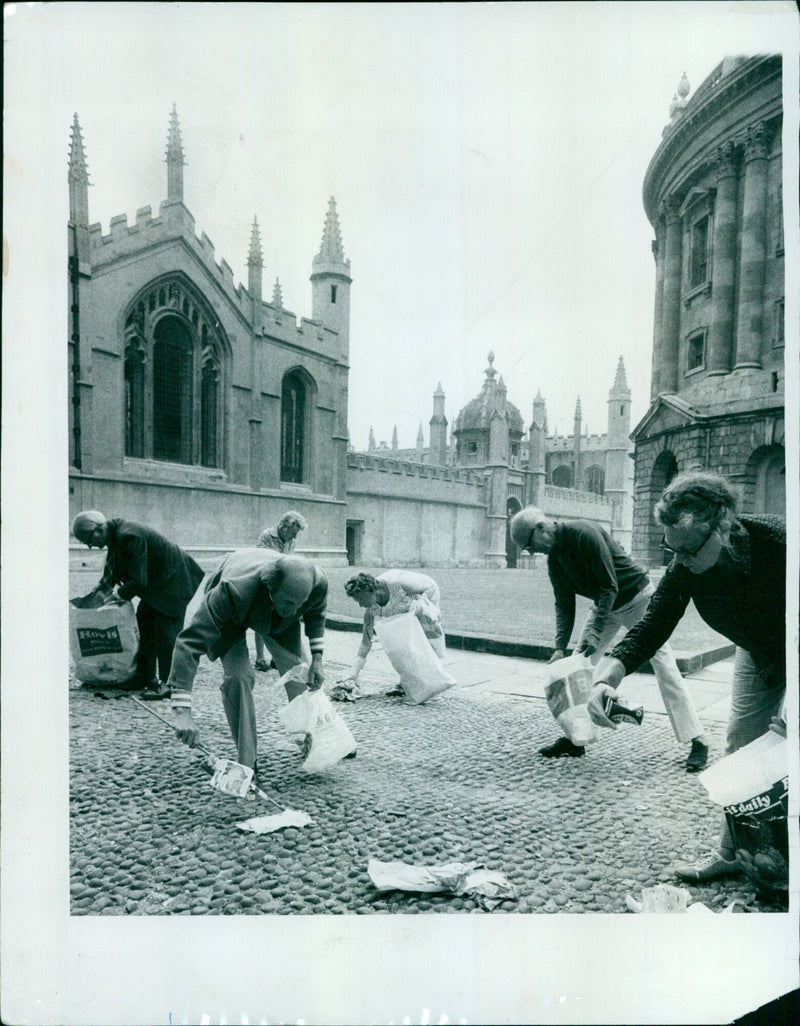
(713, 194)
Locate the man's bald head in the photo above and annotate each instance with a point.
(531, 530)
(291, 584)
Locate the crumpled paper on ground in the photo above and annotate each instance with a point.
(666, 898)
(488, 885)
(231, 777)
(268, 824)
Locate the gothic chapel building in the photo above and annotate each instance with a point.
(195, 405)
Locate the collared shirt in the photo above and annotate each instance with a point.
(270, 539)
(586, 560)
(743, 597)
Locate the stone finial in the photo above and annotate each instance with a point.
(331, 249)
(371, 444)
(78, 179)
(394, 438)
(683, 87)
(490, 372)
(255, 257)
(578, 409)
(175, 160)
(439, 393)
(420, 438)
(277, 295)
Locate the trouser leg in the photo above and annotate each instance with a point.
(753, 705)
(260, 651)
(167, 630)
(146, 620)
(237, 701)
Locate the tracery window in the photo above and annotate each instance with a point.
(562, 477)
(595, 479)
(174, 372)
(296, 394)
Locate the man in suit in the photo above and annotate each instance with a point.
(256, 589)
(141, 562)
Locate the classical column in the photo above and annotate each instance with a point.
(657, 247)
(754, 248)
(720, 340)
(668, 347)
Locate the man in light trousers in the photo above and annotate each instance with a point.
(583, 559)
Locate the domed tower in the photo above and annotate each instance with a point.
(488, 431)
(472, 425)
(330, 282)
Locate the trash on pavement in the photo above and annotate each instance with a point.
(231, 777)
(103, 642)
(268, 824)
(567, 688)
(661, 898)
(458, 878)
(331, 741)
(344, 691)
(422, 675)
(752, 785)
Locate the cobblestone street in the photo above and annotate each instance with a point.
(457, 779)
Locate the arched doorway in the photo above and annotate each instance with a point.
(664, 469)
(512, 506)
(765, 487)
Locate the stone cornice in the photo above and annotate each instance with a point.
(704, 109)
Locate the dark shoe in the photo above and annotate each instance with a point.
(397, 692)
(712, 869)
(352, 755)
(698, 757)
(262, 665)
(562, 747)
(157, 694)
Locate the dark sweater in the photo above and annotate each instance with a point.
(743, 597)
(586, 560)
(145, 563)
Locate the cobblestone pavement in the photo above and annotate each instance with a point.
(457, 779)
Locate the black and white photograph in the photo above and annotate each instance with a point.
(400, 447)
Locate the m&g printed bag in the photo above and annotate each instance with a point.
(103, 643)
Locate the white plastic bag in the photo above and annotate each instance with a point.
(567, 688)
(421, 673)
(103, 643)
(311, 713)
(752, 785)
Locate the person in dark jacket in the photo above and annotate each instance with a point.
(141, 562)
(583, 559)
(260, 590)
(734, 570)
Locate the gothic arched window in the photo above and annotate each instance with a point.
(562, 477)
(174, 375)
(595, 479)
(293, 427)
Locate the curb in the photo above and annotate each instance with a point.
(468, 641)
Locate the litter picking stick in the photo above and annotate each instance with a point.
(253, 786)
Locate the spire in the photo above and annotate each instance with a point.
(371, 444)
(620, 387)
(331, 250)
(394, 438)
(78, 177)
(578, 410)
(175, 161)
(438, 391)
(277, 295)
(255, 263)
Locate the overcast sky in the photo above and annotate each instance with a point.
(487, 163)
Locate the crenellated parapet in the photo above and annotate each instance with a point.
(407, 468)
